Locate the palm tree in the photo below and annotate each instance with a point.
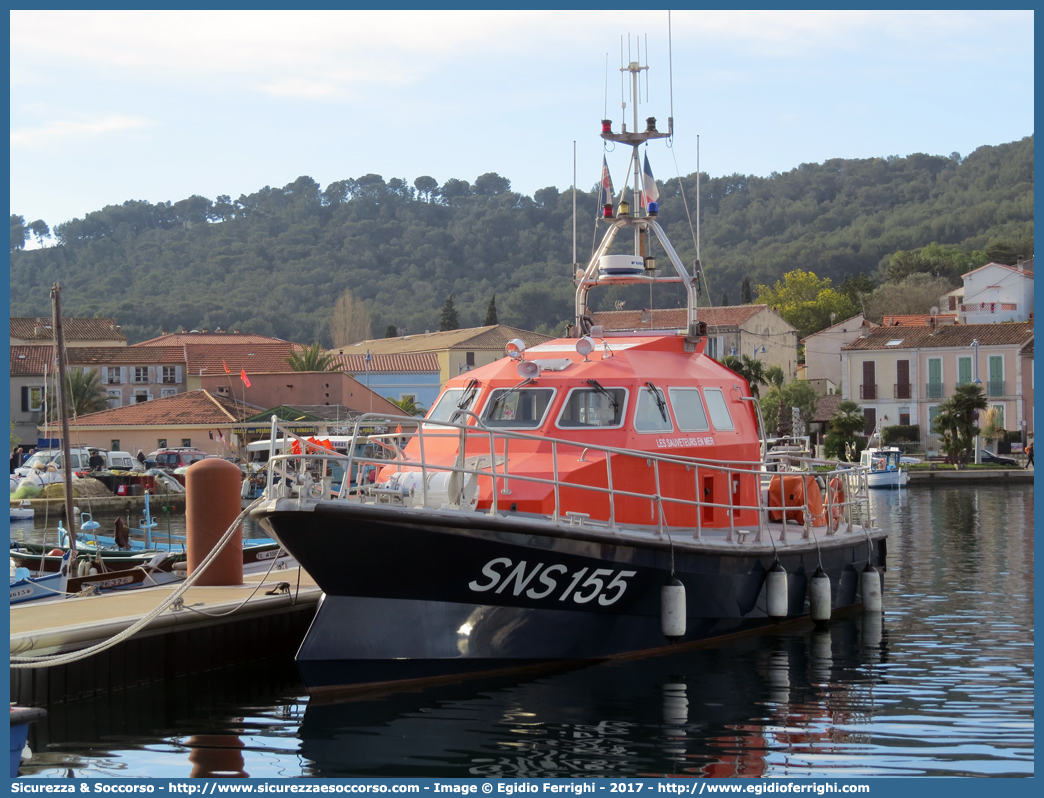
(85, 393)
(751, 369)
(312, 358)
(408, 405)
(847, 420)
(956, 421)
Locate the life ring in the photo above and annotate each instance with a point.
(837, 502)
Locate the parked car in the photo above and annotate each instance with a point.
(989, 457)
(170, 459)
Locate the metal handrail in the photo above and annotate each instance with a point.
(457, 430)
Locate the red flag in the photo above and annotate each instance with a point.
(243, 377)
(227, 369)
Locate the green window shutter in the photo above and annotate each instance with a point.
(964, 370)
(935, 370)
(996, 368)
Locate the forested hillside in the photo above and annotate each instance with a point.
(275, 262)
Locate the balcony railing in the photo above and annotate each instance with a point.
(901, 390)
(868, 391)
(995, 388)
(934, 390)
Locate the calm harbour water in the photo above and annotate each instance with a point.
(942, 686)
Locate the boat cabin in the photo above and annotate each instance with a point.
(647, 394)
(884, 459)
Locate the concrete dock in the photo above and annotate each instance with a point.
(948, 475)
(216, 627)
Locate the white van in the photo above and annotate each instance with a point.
(122, 461)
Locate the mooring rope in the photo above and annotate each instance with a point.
(50, 660)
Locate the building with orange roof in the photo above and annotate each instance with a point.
(298, 388)
(901, 374)
(194, 418)
(756, 331)
(129, 375)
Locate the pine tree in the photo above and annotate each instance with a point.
(491, 312)
(724, 299)
(391, 332)
(448, 320)
(746, 292)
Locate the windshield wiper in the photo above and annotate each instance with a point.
(500, 399)
(469, 394)
(660, 403)
(595, 384)
(465, 400)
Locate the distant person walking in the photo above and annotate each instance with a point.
(141, 457)
(1029, 455)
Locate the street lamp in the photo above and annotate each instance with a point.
(977, 381)
(759, 350)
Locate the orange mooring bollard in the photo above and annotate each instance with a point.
(212, 503)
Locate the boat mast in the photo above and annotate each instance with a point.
(63, 406)
(642, 221)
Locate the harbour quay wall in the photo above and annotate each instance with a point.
(948, 475)
(55, 508)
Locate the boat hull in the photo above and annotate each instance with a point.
(419, 594)
(887, 480)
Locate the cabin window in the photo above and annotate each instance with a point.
(591, 407)
(651, 414)
(688, 410)
(451, 402)
(719, 411)
(520, 408)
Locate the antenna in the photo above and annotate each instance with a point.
(573, 275)
(697, 196)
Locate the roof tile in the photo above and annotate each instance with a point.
(38, 328)
(177, 339)
(192, 407)
(389, 363)
(254, 357)
(29, 360)
(490, 337)
(961, 335)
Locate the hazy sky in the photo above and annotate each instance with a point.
(108, 106)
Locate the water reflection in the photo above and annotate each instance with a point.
(940, 684)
